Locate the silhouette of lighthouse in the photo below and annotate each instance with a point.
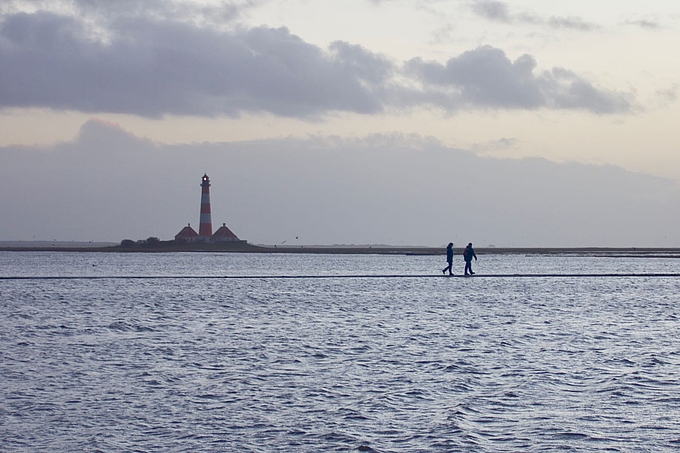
(223, 235)
(205, 227)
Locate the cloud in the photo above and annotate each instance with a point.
(107, 12)
(109, 185)
(665, 97)
(486, 77)
(157, 68)
(498, 11)
(644, 23)
(572, 23)
(493, 10)
(366, 66)
(495, 147)
(152, 64)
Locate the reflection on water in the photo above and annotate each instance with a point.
(336, 364)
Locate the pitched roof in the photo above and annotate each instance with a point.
(224, 232)
(187, 232)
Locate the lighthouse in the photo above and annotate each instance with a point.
(223, 237)
(205, 226)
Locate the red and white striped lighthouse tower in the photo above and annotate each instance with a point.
(205, 226)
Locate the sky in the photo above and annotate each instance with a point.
(518, 123)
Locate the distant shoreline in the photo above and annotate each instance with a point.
(666, 252)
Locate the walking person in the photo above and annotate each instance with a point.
(468, 254)
(449, 259)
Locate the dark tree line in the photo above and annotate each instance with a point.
(148, 242)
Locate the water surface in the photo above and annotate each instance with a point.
(336, 364)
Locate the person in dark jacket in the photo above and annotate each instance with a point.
(468, 254)
(449, 259)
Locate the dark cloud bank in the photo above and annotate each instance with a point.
(109, 185)
(153, 66)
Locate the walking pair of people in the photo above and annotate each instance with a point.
(468, 254)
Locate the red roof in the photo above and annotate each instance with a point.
(224, 233)
(187, 232)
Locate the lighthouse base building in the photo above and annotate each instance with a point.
(205, 235)
(224, 234)
(187, 234)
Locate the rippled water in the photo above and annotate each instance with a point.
(336, 364)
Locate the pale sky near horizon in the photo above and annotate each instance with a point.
(594, 82)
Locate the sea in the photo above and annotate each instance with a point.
(227, 352)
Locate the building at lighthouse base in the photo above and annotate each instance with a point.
(222, 235)
(187, 234)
